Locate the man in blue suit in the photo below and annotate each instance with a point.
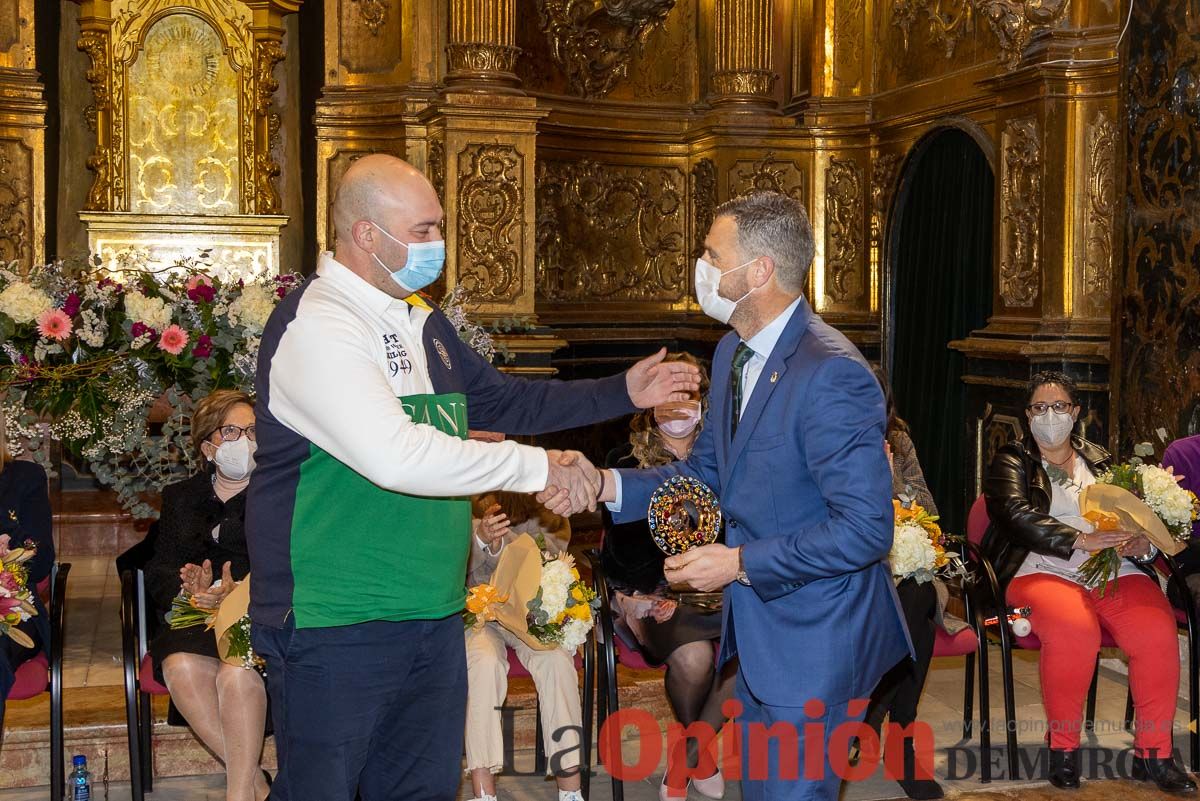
(793, 445)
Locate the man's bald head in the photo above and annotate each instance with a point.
(376, 184)
(381, 193)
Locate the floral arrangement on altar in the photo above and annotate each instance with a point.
(918, 544)
(92, 352)
(16, 599)
(562, 611)
(1158, 488)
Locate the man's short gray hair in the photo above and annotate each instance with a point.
(775, 225)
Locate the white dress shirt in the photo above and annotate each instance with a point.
(762, 343)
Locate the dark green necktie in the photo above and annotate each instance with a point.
(740, 357)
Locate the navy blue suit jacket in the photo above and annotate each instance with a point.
(806, 489)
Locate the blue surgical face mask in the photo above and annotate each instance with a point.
(423, 266)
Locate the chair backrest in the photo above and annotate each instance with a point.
(978, 521)
(134, 559)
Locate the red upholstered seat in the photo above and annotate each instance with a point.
(146, 678)
(517, 670)
(33, 678)
(963, 643)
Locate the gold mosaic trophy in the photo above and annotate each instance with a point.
(684, 514)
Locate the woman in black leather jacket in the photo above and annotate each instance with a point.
(1037, 541)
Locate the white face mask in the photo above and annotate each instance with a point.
(1052, 428)
(235, 460)
(708, 291)
(681, 427)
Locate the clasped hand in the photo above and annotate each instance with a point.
(1127, 543)
(197, 581)
(572, 483)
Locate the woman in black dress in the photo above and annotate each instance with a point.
(201, 549)
(24, 515)
(680, 636)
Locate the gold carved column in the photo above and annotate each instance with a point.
(482, 52)
(1056, 210)
(743, 64)
(482, 136)
(22, 138)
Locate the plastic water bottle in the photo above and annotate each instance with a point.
(80, 781)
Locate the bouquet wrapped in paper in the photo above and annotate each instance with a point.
(1140, 497)
(537, 596)
(230, 624)
(16, 598)
(918, 544)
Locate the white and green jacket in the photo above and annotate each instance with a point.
(357, 510)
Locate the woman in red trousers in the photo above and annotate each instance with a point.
(1037, 542)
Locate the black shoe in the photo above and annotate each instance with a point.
(920, 789)
(1169, 777)
(1064, 769)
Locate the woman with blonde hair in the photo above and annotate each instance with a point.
(201, 551)
(24, 515)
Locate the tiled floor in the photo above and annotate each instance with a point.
(93, 660)
(93, 625)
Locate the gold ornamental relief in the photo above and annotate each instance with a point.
(16, 207)
(946, 21)
(610, 232)
(491, 206)
(1020, 213)
(768, 174)
(594, 40)
(1015, 22)
(183, 122)
(704, 201)
(884, 172)
(1100, 208)
(849, 33)
(372, 13)
(844, 264)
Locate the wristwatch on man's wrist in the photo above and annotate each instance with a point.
(742, 578)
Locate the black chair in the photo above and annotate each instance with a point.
(37, 675)
(137, 629)
(976, 526)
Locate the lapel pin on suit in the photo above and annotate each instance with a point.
(774, 377)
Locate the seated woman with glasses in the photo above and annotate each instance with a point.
(201, 550)
(1037, 541)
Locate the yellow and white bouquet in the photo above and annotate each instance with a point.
(918, 550)
(562, 611)
(1174, 506)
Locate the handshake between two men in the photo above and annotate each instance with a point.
(573, 483)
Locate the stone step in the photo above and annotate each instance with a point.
(95, 727)
(90, 522)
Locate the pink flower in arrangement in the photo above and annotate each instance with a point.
(203, 347)
(200, 289)
(8, 582)
(108, 282)
(54, 324)
(140, 328)
(72, 304)
(173, 340)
